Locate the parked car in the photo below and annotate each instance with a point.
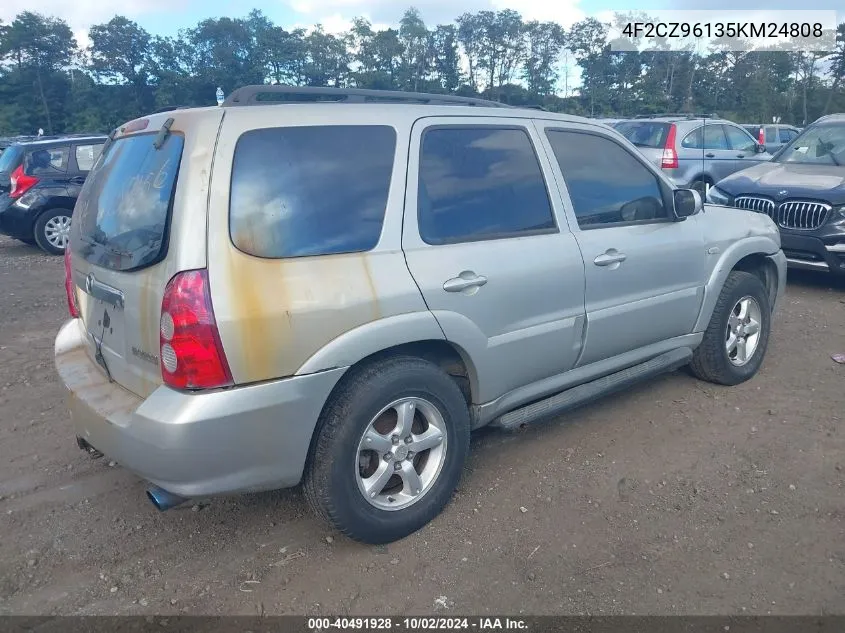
(803, 190)
(772, 135)
(266, 292)
(692, 150)
(39, 184)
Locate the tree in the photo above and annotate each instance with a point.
(469, 36)
(40, 47)
(446, 57)
(544, 42)
(414, 61)
(588, 43)
(120, 51)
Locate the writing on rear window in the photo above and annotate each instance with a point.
(121, 217)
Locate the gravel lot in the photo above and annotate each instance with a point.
(674, 497)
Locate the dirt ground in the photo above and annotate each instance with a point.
(674, 497)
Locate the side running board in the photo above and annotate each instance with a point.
(582, 394)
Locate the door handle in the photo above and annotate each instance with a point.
(465, 281)
(78, 180)
(609, 258)
(710, 155)
(740, 155)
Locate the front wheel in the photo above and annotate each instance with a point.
(392, 443)
(737, 337)
(52, 231)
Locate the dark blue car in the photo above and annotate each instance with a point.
(39, 184)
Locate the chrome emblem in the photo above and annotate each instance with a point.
(783, 192)
(89, 283)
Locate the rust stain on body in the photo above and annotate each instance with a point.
(284, 310)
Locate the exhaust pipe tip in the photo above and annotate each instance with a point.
(162, 499)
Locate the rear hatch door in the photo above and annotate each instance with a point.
(124, 246)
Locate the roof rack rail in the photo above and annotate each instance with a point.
(679, 115)
(252, 95)
(168, 109)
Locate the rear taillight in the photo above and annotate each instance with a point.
(761, 137)
(192, 356)
(670, 156)
(70, 291)
(21, 182)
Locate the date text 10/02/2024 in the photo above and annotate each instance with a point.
(417, 624)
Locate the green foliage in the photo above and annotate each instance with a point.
(47, 82)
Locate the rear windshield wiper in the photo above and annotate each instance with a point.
(163, 133)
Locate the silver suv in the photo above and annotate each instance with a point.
(280, 291)
(694, 151)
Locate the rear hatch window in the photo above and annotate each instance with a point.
(121, 218)
(9, 161)
(644, 133)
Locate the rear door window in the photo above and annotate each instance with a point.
(714, 137)
(311, 190)
(786, 135)
(771, 134)
(121, 218)
(47, 162)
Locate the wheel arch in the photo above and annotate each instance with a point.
(750, 255)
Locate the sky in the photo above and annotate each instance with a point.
(166, 17)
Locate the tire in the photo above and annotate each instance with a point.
(46, 225)
(712, 361)
(700, 186)
(335, 482)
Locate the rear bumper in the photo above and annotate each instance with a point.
(244, 439)
(826, 253)
(15, 221)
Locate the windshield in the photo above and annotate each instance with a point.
(121, 217)
(11, 158)
(818, 145)
(644, 133)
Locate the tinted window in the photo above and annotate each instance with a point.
(771, 134)
(300, 191)
(480, 183)
(86, 155)
(739, 140)
(121, 217)
(644, 133)
(606, 183)
(47, 162)
(786, 135)
(10, 158)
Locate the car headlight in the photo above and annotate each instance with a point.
(717, 196)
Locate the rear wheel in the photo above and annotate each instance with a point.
(52, 231)
(737, 337)
(701, 186)
(391, 447)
